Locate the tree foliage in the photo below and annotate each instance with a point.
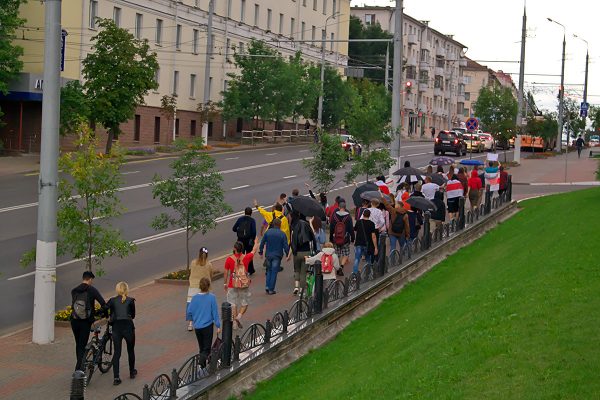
(497, 109)
(573, 123)
(10, 53)
(337, 97)
(118, 73)
(545, 127)
(75, 107)
(369, 53)
(193, 192)
(329, 157)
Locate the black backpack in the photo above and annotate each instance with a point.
(398, 223)
(81, 306)
(244, 229)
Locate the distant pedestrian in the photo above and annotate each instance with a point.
(341, 232)
(432, 133)
(330, 263)
(474, 192)
(454, 191)
(277, 246)
(415, 221)
(204, 314)
(398, 229)
(83, 299)
(302, 241)
(417, 190)
(317, 226)
(429, 188)
(245, 227)
(121, 310)
(236, 281)
(365, 243)
(286, 207)
(579, 143)
(332, 208)
(462, 177)
(383, 187)
(307, 126)
(359, 210)
(276, 214)
(503, 181)
(439, 215)
(199, 268)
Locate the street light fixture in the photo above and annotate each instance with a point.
(561, 93)
(587, 61)
(320, 112)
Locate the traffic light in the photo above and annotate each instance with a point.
(408, 86)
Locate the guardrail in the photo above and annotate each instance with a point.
(273, 136)
(301, 313)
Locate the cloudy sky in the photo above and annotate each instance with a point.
(492, 32)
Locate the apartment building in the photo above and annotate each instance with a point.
(177, 31)
(434, 65)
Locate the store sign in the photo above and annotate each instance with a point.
(39, 84)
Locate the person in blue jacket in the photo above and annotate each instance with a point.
(203, 313)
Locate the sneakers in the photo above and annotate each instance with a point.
(133, 374)
(296, 290)
(272, 292)
(117, 381)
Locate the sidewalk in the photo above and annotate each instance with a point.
(552, 169)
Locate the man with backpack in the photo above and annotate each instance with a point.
(302, 242)
(366, 240)
(277, 213)
(399, 228)
(83, 299)
(341, 232)
(277, 247)
(236, 281)
(245, 227)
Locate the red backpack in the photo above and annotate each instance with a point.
(326, 263)
(339, 230)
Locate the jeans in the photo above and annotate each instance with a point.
(123, 329)
(359, 252)
(81, 332)
(393, 242)
(300, 268)
(272, 271)
(579, 148)
(204, 337)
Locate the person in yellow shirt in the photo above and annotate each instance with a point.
(276, 213)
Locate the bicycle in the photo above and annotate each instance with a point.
(99, 351)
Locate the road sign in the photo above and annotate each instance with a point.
(583, 110)
(472, 124)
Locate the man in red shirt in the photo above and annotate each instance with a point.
(237, 297)
(503, 181)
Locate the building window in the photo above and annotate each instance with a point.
(192, 86)
(280, 24)
(370, 19)
(313, 33)
(424, 77)
(227, 47)
(157, 76)
(93, 13)
(468, 96)
(304, 3)
(195, 41)
(467, 80)
(243, 11)
(241, 48)
(315, 5)
(178, 37)
(137, 127)
(331, 43)
(159, 26)
(334, 8)
(292, 27)
(324, 7)
(269, 17)
(210, 81)
(176, 127)
(228, 8)
(303, 27)
(175, 82)
(256, 14)
(117, 16)
(193, 127)
(139, 21)
(156, 129)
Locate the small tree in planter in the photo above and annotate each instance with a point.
(168, 108)
(193, 191)
(329, 157)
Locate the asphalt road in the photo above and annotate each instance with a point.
(262, 174)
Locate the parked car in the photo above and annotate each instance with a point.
(449, 141)
(488, 141)
(474, 143)
(351, 145)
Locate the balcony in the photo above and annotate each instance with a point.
(425, 45)
(423, 108)
(438, 92)
(440, 52)
(460, 98)
(412, 39)
(465, 80)
(437, 110)
(409, 104)
(423, 86)
(462, 62)
(439, 71)
(411, 61)
(447, 94)
(424, 64)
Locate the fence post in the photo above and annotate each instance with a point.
(461, 213)
(268, 329)
(227, 334)
(509, 188)
(174, 384)
(488, 200)
(318, 292)
(286, 321)
(382, 257)
(146, 393)
(346, 286)
(237, 348)
(427, 231)
(78, 385)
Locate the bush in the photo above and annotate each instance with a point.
(166, 149)
(182, 275)
(140, 151)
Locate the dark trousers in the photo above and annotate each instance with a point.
(204, 337)
(81, 333)
(248, 245)
(123, 329)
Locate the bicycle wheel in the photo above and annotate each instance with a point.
(105, 362)
(88, 363)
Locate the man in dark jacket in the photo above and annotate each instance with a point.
(83, 298)
(342, 245)
(301, 240)
(439, 215)
(245, 227)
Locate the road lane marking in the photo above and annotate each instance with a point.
(231, 158)
(239, 187)
(270, 154)
(304, 151)
(289, 177)
(418, 154)
(130, 172)
(13, 208)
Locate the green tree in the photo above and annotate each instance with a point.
(74, 107)
(329, 157)
(369, 54)
(87, 201)
(573, 123)
(118, 73)
(168, 108)
(337, 97)
(193, 191)
(545, 126)
(303, 88)
(497, 110)
(10, 54)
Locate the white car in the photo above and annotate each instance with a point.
(488, 141)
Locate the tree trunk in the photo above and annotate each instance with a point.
(109, 140)
(187, 247)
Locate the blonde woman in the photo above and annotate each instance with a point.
(121, 310)
(199, 268)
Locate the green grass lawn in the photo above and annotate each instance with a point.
(515, 315)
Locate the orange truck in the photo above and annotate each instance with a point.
(533, 142)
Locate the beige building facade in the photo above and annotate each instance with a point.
(177, 31)
(434, 66)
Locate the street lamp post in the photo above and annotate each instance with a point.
(587, 62)
(324, 37)
(561, 93)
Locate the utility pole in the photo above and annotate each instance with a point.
(320, 110)
(587, 62)
(47, 235)
(397, 88)
(561, 97)
(517, 155)
(387, 67)
(209, 47)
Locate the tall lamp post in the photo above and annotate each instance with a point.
(320, 112)
(561, 93)
(587, 62)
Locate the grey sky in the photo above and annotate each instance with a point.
(492, 32)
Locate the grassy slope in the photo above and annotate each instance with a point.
(513, 315)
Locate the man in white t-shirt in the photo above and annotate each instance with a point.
(377, 216)
(429, 188)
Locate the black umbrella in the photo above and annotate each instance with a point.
(437, 179)
(361, 189)
(372, 194)
(442, 160)
(307, 207)
(421, 203)
(410, 175)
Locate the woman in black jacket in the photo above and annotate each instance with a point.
(121, 313)
(439, 215)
